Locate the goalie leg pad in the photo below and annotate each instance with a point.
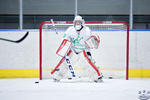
(89, 61)
(93, 72)
(60, 71)
(58, 65)
(60, 62)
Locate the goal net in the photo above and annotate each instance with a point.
(112, 56)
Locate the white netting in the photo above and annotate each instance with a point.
(110, 57)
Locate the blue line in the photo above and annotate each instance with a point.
(139, 30)
(10, 30)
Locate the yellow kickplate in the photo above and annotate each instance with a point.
(34, 73)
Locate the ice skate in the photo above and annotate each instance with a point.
(99, 80)
(56, 80)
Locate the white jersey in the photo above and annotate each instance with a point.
(78, 38)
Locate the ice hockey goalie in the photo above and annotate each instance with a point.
(76, 55)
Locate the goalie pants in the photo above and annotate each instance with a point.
(90, 70)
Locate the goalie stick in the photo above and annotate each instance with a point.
(54, 26)
(16, 41)
(65, 57)
(70, 66)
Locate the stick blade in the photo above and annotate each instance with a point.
(20, 40)
(15, 41)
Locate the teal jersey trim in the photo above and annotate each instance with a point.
(64, 35)
(77, 43)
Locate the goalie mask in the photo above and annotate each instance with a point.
(78, 23)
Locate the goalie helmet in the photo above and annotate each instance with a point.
(78, 23)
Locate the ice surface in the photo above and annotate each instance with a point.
(111, 89)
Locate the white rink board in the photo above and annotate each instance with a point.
(25, 55)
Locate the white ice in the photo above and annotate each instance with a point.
(110, 89)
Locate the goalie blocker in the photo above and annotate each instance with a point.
(89, 69)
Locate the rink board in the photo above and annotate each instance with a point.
(22, 60)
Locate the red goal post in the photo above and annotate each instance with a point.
(86, 23)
